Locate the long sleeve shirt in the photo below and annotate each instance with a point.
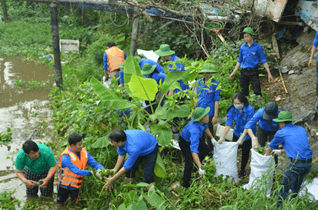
(294, 140)
(264, 124)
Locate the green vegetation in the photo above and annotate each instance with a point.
(7, 201)
(6, 138)
(32, 85)
(75, 107)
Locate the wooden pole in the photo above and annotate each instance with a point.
(134, 36)
(281, 76)
(56, 45)
(5, 14)
(275, 46)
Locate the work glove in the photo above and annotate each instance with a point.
(277, 152)
(97, 174)
(241, 139)
(255, 143)
(201, 172)
(213, 141)
(222, 139)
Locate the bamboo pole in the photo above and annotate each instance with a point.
(281, 76)
(56, 45)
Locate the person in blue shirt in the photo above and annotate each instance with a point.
(209, 96)
(266, 126)
(296, 145)
(150, 71)
(191, 144)
(166, 54)
(140, 146)
(313, 50)
(241, 113)
(72, 169)
(250, 55)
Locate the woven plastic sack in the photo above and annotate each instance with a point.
(225, 159)
(262, 171)
(311, 188)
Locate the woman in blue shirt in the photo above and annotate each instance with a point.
(240, 112)
(209, 96)
(150, 71)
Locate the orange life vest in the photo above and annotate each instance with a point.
(115, 57)
(66, 176)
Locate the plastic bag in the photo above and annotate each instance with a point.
(225, 159)
(261, 166)
(311, 188)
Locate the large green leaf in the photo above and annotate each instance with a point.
(109, 98)
(102, 142)
(173, 77)
(160, 169)
(163, 130)
(131, 67)
(143, 88)
(154, 199)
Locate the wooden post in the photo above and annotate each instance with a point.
(134, 36)
(56, 45)
(275, 46)
(5, 14)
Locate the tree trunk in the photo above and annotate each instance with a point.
(5, 14)
(134, 36)
(56, 46)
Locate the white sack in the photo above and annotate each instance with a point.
(311, 188)
(261, 166)
(149, 54)
(225, 159)
(220, 130)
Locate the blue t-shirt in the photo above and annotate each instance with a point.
(138, 143)
(264, 124)
(192, 133)
(105, 60)
(315, 43)
(294, 140)
(145, 60)
(240, 119)
(159, 77)
(66, 162)
(250, 56)
(179, 67)
(208, 95)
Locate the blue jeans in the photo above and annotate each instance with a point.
(293, 178)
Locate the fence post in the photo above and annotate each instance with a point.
(56, 45)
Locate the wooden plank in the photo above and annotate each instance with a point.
(275, 46)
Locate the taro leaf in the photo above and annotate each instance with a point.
(143, 88)
(160, 169)
(163, 130)
(102, 142)
(109, 98)
(131, 67)
(171, 81)
(154, 199)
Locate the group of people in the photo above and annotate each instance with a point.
(36, 163)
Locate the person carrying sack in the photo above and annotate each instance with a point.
(296, 145)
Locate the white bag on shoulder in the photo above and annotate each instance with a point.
(225, 159)
(261, 166)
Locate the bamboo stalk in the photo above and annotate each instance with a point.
(281, 76)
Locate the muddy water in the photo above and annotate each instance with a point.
(21, 110)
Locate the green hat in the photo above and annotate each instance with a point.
(208, 68)
(248, 30)
(148, 68)
(200, 112)
(138, 59)
(284, 116)
(164, 50)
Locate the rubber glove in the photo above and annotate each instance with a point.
(277, 152)
(222, 139)
(97, 174)
(241, 139)
(201, 172)
(255, 143)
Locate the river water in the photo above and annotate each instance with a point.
(22, 110)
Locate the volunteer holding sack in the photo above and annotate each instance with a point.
(240, 112)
